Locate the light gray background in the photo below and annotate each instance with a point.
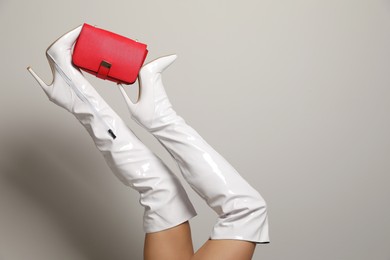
(295, 94)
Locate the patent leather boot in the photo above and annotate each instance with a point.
(242, 212)
(161, 194)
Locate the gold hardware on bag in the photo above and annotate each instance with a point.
(105, 64)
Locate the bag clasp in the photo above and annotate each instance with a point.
(104, 69)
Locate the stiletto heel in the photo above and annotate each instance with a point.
(37, 78)
(159, 65)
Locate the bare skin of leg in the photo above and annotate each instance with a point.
(225, 250)
(171, 244)
(176, 244)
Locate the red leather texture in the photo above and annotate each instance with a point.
(108, 55)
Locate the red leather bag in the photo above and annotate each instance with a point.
(108, 55)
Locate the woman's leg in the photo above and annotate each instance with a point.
(171, 244)
(161, 194)
(226, 250)
(242, 212)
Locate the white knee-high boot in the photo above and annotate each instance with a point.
(242, 211)
(161, 194)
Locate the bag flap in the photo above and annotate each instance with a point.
(96, 46)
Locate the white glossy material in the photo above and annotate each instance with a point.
(161, 194)
(242, 211)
